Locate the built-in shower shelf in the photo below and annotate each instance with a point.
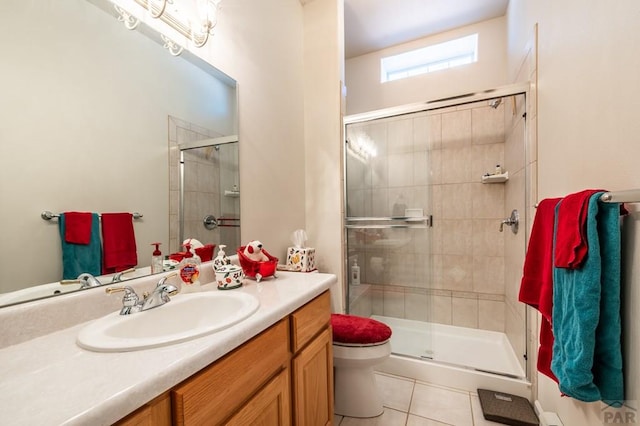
(500, 178)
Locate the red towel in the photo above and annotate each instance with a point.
(536, 287)
(571, 236)
(77, 227)
(118, 242)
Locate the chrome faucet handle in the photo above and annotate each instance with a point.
(118, 277)
(85, 279)
(165, 278)
(513, 221)
(130, 301)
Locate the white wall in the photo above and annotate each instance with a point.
(287, 60)
(366, 93)
(324, 53)
(260, 44)
(587, 105)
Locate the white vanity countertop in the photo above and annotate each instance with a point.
(50, 380)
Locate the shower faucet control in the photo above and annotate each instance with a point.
(511, 221)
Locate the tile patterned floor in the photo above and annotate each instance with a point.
(409, 402)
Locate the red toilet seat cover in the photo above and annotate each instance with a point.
(358, 330)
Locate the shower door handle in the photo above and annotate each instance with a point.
(512, 221)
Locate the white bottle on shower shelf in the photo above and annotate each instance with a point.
(498, 169)
(355, 273)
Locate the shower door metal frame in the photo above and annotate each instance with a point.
(485, 95)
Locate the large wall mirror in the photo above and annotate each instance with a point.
(93, 116)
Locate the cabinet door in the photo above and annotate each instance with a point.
(313, 382)
(269, 407)
(155, 413)
(215, 393)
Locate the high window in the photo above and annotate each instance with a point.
(449, 54)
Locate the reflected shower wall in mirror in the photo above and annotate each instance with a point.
(207, 185)
(85, 107)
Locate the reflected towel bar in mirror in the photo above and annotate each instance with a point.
(47, 215)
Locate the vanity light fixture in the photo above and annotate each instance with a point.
(174, 48)
(193, 19)
(130, 22)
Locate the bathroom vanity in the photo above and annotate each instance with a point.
(287, 369)
(274, 367)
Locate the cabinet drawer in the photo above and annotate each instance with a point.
(309, 320)
(219, 390)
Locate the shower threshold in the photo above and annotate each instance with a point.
(479, 350)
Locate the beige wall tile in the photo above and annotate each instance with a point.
(393, 302)
(488, 274)
(417, 305)
(456, 201)
(400, 136)
(485, 159)
(487, 240)
(488, 201)
(491, 315)
(455, 165)
(457, 272)
(457, 237)
(456, 129)
(487, 125)
(441, 310)
(465, 312)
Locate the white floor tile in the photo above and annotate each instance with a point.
(421, 421)
(388, 418)
(443, 405)
(395, 391)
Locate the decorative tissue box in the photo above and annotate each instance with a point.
(301, 259)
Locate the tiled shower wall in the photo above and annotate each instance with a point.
(441, 156)
(202, 184)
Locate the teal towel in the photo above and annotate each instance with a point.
(80, 258)
(587, 353)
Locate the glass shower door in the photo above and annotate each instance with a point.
(209, 207)
(388, 227)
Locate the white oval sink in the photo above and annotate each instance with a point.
(185, 317)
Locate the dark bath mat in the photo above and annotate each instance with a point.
(506, 408)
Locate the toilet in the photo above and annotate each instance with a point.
(359, 344)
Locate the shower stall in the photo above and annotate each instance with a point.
(204, 196)
(429, 190)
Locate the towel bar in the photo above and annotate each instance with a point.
(627, 196)
(47, 215)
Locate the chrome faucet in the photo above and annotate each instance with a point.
(131, 303)
(85, 280)
(160, 294)
(118, 277)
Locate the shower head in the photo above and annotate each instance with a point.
(495, 103)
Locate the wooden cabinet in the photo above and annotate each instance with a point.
(312, 364)
(281, 377)
(154, 413)
(270, 406)
(213, 394)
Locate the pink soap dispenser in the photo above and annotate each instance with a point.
(190, 271)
